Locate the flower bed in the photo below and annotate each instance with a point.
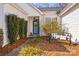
(32, 48)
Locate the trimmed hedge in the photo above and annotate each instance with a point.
(21, 28)
(15, 26)
(25, 28)
(12, 25)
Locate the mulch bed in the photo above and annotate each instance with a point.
(58, 48)
(9, 47)
(54, 48)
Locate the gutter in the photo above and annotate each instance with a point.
(67, 8)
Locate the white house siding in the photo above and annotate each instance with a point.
(51, 14)
(1, 16)
(9, 9)
(71, 21)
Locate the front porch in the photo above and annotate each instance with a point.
(33, 25)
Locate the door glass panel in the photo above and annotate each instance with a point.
(36, 27)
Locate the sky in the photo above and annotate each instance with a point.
(45, 5)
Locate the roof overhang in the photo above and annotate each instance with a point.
(66, 9)
(35, 8)
(18, 8)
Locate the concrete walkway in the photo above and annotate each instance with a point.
(15, 51)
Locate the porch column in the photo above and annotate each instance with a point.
(42, 22)
(4, 27)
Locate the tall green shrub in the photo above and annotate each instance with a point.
(21, 28)
(16, 26)
(12, 26)
(25, 28)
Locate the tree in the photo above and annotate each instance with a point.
(52, 27)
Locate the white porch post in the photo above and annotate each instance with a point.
(4, 27)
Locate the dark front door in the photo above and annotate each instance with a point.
(36, 27)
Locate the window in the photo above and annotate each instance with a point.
(48, 19)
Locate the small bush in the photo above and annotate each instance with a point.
(31, 50)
